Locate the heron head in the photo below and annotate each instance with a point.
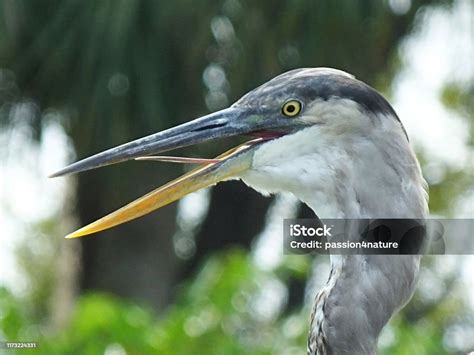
(291, 103)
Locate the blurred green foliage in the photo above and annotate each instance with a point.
(216, 314)
(455, 182)
(460, 98)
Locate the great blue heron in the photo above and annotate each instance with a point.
(338, 146)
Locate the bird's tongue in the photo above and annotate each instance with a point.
(260, 137)
(226, 165)
(182, 160)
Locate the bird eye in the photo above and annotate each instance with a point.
(291, 108)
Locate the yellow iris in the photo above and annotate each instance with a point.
(291, 108)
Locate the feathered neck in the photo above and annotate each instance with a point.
(350, 177)
(364, 291)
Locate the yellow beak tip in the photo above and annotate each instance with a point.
(76, 234)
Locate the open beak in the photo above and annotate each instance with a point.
(228, 122)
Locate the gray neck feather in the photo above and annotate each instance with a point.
(364, 291)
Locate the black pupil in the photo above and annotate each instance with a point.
(291, 108)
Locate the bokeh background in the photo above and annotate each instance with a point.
(207, 274)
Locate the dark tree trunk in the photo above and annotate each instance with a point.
(236, 215)
(134, 260)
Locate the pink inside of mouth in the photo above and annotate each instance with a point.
(267, 135)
